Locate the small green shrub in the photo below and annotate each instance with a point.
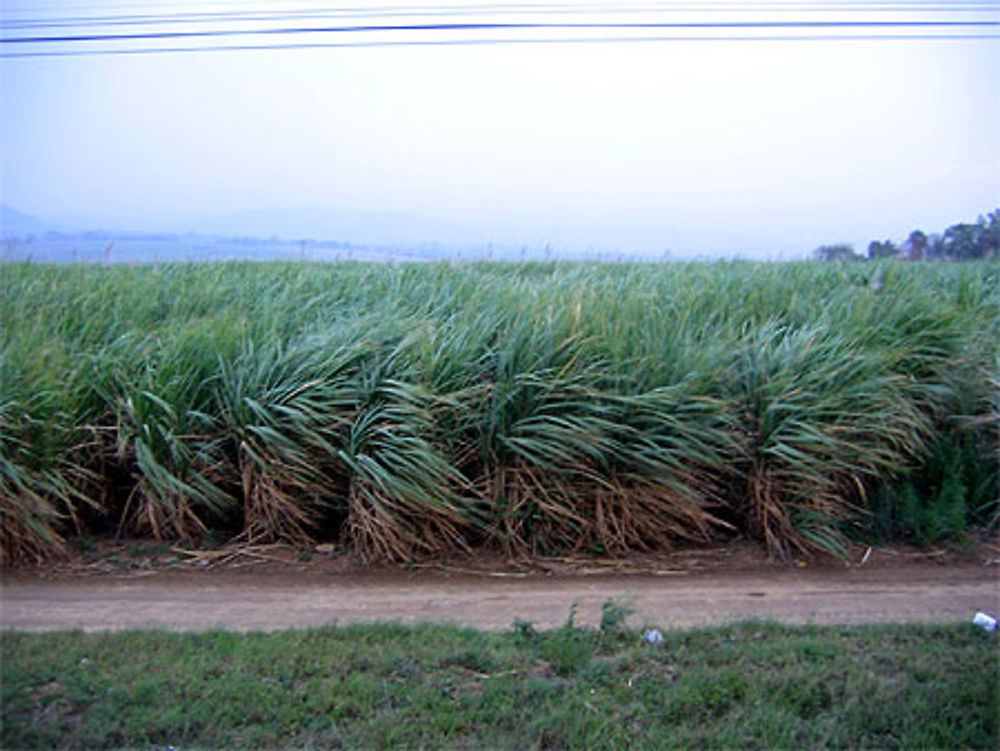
(955, 488)
(524, 631)
(613, 617)
(568, 648)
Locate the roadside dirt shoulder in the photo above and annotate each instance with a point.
(668, 597)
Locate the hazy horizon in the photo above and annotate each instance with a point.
(751, 147)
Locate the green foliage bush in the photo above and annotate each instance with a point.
(954, 488)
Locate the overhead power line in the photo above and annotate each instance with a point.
(159, 33)
(202, 17)
(525, 26)
(474, 42)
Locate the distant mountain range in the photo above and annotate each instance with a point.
(370, 229)
(268, 235)
(14, 223)
(381, 233)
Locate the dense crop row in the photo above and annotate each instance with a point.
(537, 408)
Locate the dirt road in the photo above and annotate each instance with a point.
(194, 600)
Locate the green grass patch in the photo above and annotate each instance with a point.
(750, 685)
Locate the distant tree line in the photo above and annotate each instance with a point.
(960, 242)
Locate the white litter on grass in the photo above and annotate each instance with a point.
(652, 636)
(988, 622)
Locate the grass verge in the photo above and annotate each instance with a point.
(749, 685)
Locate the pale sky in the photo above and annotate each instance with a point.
(753, 147)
